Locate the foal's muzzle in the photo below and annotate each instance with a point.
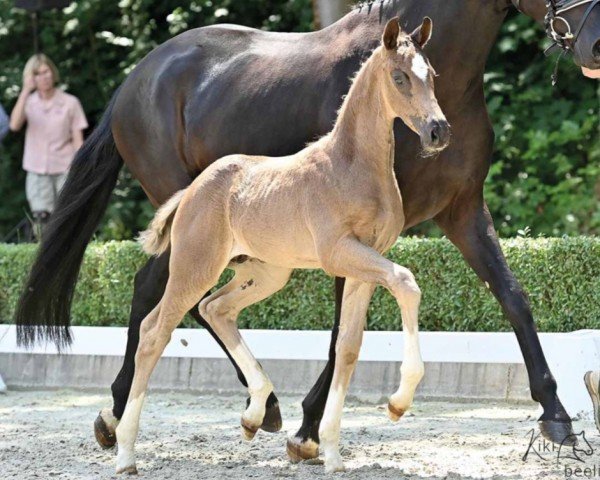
(439, 135)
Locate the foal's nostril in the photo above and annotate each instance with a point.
(435, 134)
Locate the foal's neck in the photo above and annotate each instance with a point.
(363, 132)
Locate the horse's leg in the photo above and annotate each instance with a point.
(253, 282)
(468, 224)
(305, 444)
(187, 283)
(357, 296)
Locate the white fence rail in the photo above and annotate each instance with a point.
(569, 355)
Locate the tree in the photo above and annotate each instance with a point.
(327, 12)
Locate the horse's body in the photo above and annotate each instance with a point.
(299, 84)
(224, 89)
(334, 205)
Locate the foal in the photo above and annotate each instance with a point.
(335, 205)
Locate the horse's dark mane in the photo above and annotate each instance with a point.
(368, 4)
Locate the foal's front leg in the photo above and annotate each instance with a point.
(361, 263)
(412, 369)
(357, 296)
(304, 444)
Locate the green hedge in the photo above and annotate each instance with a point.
(561, 276)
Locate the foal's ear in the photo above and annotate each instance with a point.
(422, 34)
(390, 34)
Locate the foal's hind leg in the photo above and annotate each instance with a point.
(149, 286)
(186, 285)
(253, 282)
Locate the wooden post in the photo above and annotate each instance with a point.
(327, 12)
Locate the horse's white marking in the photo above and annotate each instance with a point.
(308, 445)
(420, 67)
(109, 419)
(127, 432)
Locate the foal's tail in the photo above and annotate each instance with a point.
(157, 238)
(44, 307)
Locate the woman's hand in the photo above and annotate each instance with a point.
(28, 84)
(17, 116)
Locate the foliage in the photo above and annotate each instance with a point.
(95, 44)
(546, 168)
(546, 164)
(561, 277)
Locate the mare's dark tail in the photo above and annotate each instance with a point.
(43, 310)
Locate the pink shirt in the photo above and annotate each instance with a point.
(48, 141)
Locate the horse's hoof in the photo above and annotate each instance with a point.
(130, 470)
(105, 435)
(299, 450)
(272, 421)
(394, 413)
(248, 431)
(558, 432)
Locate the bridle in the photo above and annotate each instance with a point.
(555, 9)
(565, 41)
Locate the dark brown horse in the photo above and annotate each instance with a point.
(225, 89)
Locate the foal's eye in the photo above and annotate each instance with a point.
(399, 77)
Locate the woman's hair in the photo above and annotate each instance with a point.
(35, 62)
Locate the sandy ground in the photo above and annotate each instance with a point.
(48, 434)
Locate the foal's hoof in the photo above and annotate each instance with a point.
(272, 421)
(105, 432)
(592, 383)
(394, 413)
(130, 470)
(558, 432)
(248, 431)
(299, 450)
(334, 464)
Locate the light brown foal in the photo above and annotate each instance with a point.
(335, 205)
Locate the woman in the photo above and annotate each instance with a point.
(55, 124)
